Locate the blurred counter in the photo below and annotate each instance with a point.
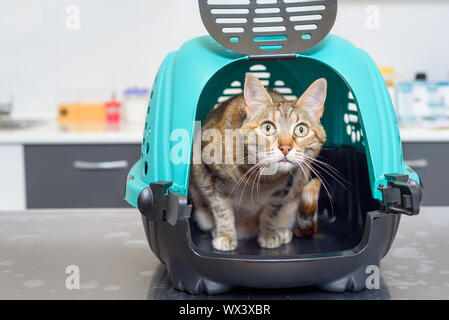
(88, 133)
(115, 261)
(417, 134)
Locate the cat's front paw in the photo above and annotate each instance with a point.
(224, 243)
(286, 235)
(269, 240)
(275, 240)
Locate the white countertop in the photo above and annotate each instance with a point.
(424, 135)
(50, 133)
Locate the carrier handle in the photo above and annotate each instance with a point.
(402, 195)
(268, 28)
(159, 202)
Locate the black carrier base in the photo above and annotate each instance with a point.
(352, 235)
(200, 269)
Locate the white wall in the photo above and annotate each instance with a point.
(121, 43)
(413, 34)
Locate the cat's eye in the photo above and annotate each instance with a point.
(268, 128)
(301, 130)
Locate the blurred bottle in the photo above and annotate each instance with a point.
(421, 76)
(135, 103)
(391, 79)
(113, 111)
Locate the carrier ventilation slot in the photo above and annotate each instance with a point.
(258, 27)
(260, 71)
(145, 148)
(352, 123)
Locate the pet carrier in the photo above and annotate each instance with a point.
(286, 44)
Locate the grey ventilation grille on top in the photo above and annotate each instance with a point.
(268, 27)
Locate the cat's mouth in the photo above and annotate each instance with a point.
(285, 160)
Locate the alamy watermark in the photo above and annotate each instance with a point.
(373, 280)
(212, 146)
(73, 280)
(72, 20)
(372, 17)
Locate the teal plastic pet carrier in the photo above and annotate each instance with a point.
(286, 44)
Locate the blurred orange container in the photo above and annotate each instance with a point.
(82, 112)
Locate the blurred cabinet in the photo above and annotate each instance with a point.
(77, 176)
(431, 161)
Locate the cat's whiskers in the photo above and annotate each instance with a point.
(322, 180)
(332, 172)
(244, 159)
(323, 183)
(249, 157)
(259, 175)
(257, 170)
(244, 187)
(239, 181)
(258, 165)
(242, 178)
(304, 172)
(335, 170)
(254, 180)
(291, 172)
(266, 163)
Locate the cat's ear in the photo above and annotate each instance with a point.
(313, 99)
(256, 96)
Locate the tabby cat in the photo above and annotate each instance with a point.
(268, 191)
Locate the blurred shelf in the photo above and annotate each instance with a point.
(53, 133)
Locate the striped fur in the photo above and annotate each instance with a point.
(243, 199)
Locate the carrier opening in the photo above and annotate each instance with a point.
(346, 196)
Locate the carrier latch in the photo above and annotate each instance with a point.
(160, 203)
(401, 195)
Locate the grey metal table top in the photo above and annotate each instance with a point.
(115, 262)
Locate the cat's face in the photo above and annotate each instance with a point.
(288, 133)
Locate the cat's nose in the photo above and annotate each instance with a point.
(285, 149)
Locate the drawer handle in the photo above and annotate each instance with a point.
(105, 165)
(418, 163)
